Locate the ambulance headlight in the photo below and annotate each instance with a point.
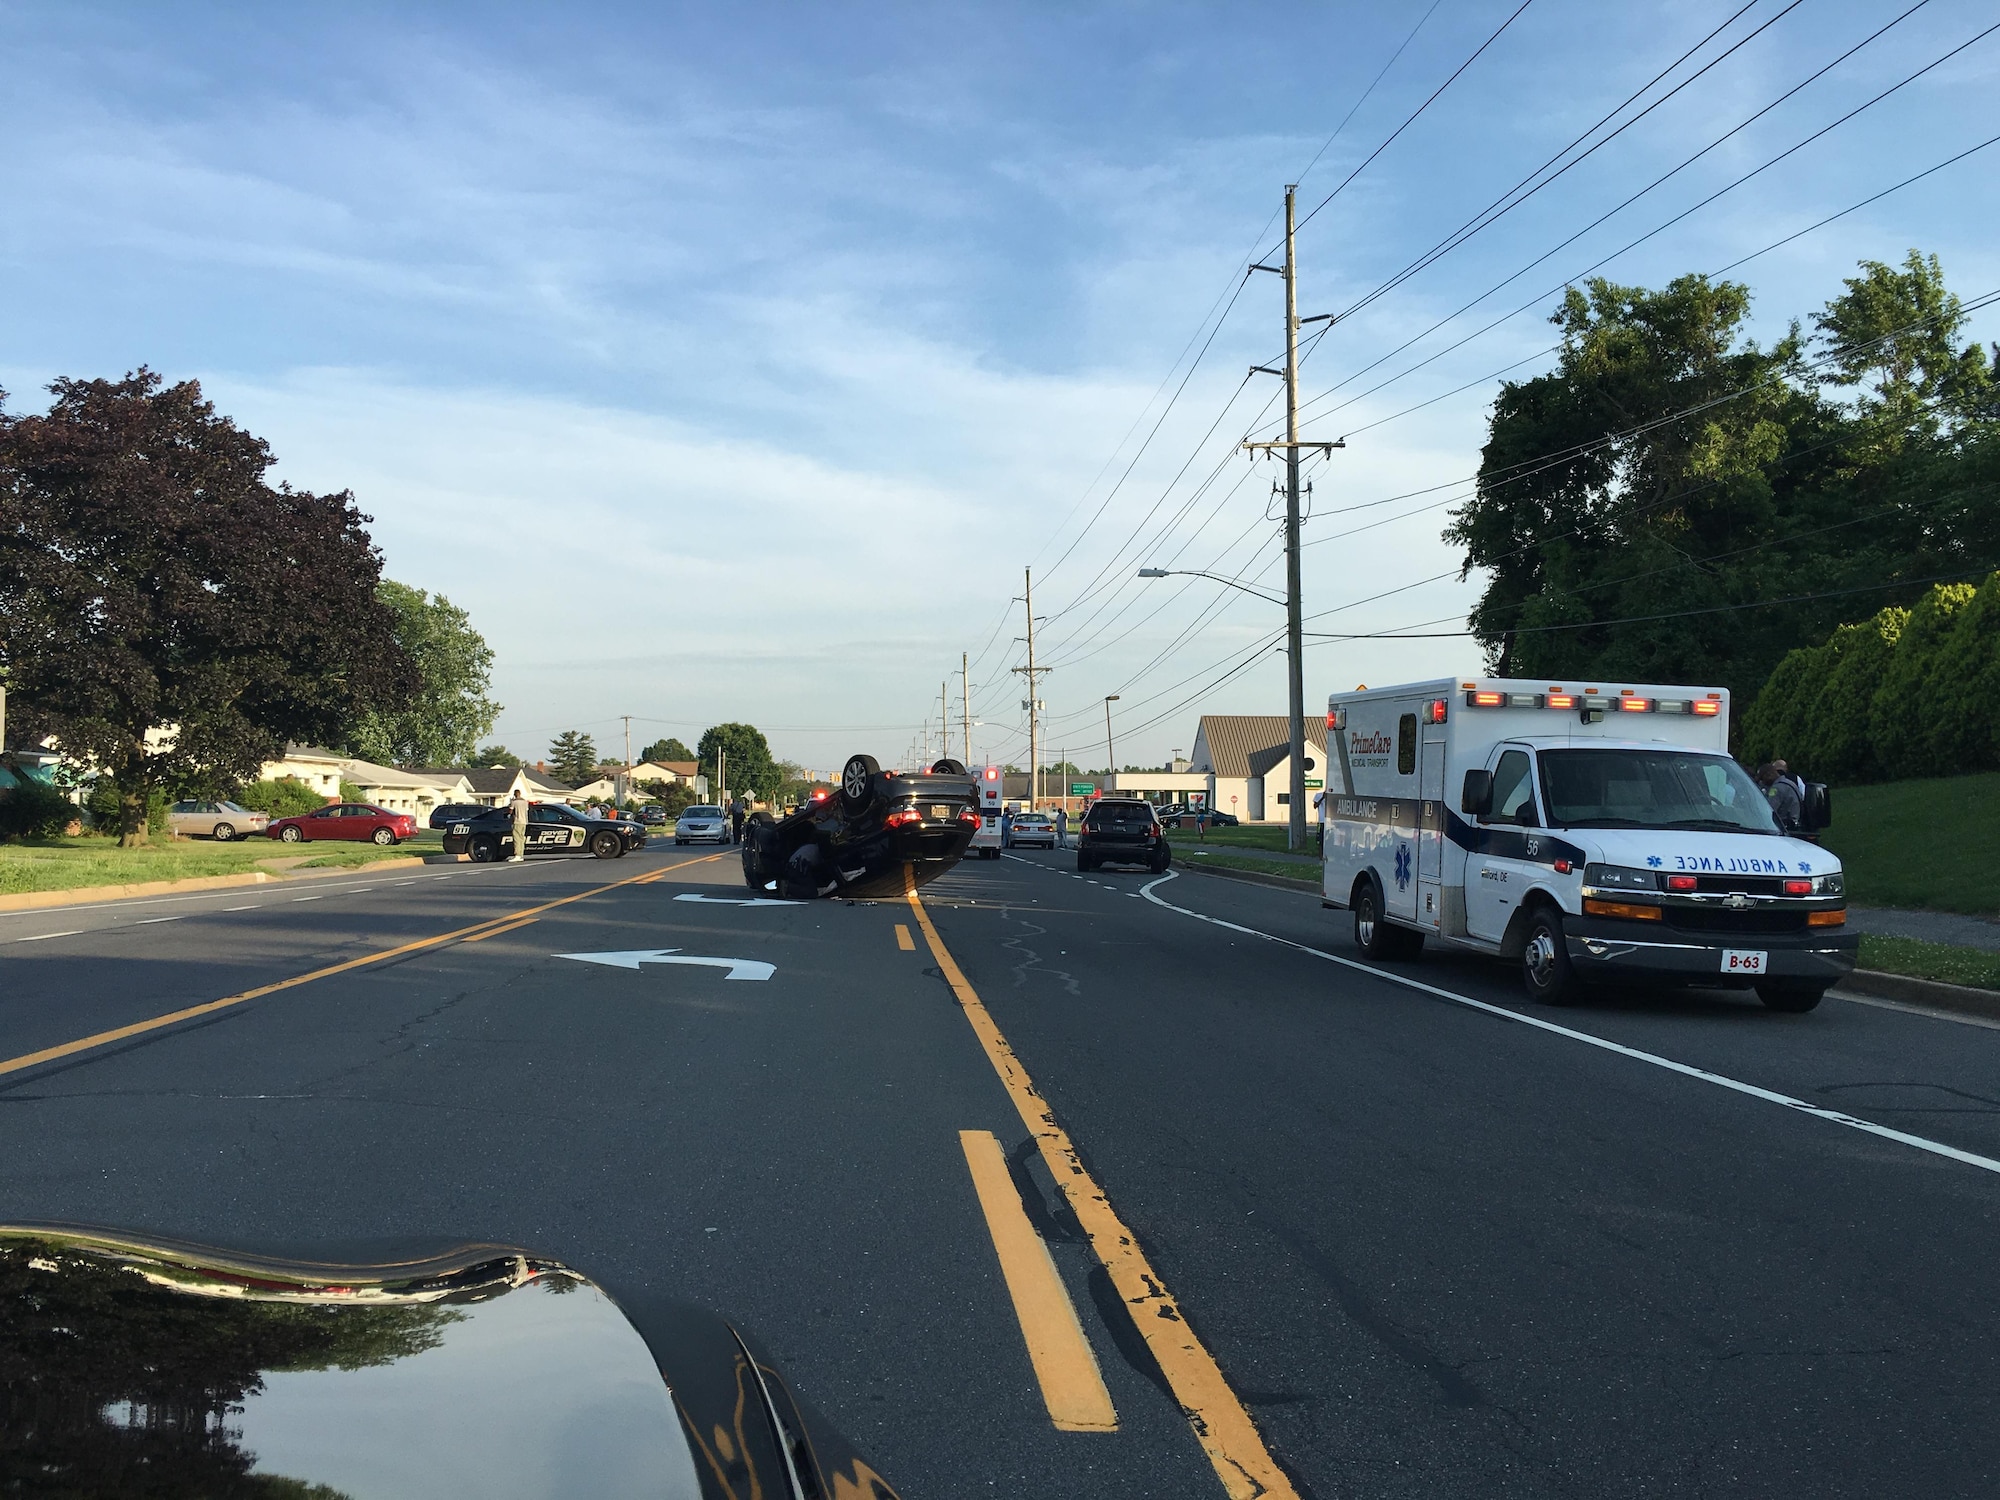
(1620, 878)
(1829, 885)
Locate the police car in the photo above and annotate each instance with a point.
(1589, 831)
(552, 829)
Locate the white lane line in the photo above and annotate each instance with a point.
(305, 898)
(43, 937)
(149, 921)
(253, 906)
(1686, 1070)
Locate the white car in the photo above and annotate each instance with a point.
(1033, 829)
(701, 825)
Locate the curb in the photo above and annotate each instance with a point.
(1959, 999)
(1277, 882)
(81, 895)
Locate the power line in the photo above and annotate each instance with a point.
(1659, 228)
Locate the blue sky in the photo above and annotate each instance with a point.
(732, 362)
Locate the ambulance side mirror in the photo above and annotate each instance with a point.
(1816, 808)
(1477, 797)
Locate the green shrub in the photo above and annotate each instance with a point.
(1908, 693)
(287, 797)
(102, 805)
(32, 809)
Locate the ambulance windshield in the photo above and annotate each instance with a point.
(1651, 789)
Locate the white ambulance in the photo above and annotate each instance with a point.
(1589, 830)
(986, 837)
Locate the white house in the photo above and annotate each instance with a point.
(414, 792)
(317, 768)
(1247, 762)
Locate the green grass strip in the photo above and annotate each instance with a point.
(1939, 961)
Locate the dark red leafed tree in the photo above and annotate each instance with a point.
(165, 612)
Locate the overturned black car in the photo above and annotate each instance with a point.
(878, 830)
(552, 829)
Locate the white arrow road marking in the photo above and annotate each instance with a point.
(732, 900)
(739, 968)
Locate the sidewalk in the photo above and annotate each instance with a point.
(1929, 926)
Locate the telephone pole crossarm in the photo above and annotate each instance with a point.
(1324, 448)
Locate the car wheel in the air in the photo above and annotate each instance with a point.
(948, 767)
(1794, 996)
(384, 836)
(291, 835)
(1546, 971)
(857, 781)
(484, 850)
(222, 833)
(606, 845)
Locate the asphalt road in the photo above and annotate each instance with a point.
(1435, 1243)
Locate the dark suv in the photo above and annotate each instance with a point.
(1122, 831)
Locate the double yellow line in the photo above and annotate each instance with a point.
(1221, 1423)
(492, 927)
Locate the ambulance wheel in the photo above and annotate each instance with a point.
(1545, 965)
(1374, 935)
(857, 781)
(1793, 996)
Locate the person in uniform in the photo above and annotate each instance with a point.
(518, 810)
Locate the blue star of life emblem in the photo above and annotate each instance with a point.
(1402, 867)
(1804, 868)
(1654, 860)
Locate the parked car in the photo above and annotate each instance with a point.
(1032, 829)
(221, 821)
(449, 813)
(653, 817)
(880, 831)
(702, 825)
(1122, 831)
(356, 821)
(553, 828)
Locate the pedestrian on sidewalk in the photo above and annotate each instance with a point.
(518, 810)
(1062, 828)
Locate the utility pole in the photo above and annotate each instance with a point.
(1294, 636)
(1110, 755)
(624, 789)
(965, 703)
(944, 720)
(1033, 703)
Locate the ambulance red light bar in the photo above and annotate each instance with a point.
(1559, 700)
(1798, 888)
(1635, 705)
(1336, 717)
(1681, 883)
(1706, 708)
(1487, 698)
(992, 773)
(1435, 711)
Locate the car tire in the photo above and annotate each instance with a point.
(606, 845)
(384, 836)
(948, 767)
(290, 834)
(857, 781)
(1792, 996)
(485, 849)
(1084, 862)
(1159, 862)
(222, 833)
(680, 843)
(1546, 971)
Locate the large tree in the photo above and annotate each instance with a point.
(749, 764)
(168, 614)
(450, 710)
(1675, 503)
(669, 748)
(573, 756)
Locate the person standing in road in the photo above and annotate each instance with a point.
(518, 810)
(1319, 816)
(1007, 826)
(736, 821)
(1062, 828)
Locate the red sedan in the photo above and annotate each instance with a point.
(360, 821)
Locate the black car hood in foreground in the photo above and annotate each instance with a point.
(132, 1365)
(879, 833)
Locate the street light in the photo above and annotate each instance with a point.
(1110, 759)
(1296, 715)
(1215, 577)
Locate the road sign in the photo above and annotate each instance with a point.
(1313, 785)
(739, 968)
(1081, 788)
